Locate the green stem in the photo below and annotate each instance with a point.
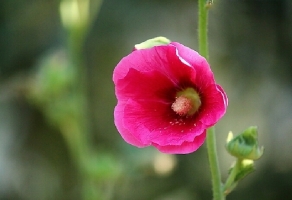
(229, 185)
(203, 29)
(77, 136)
(211, 140)
(214, 165)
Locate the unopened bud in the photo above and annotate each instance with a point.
(245, 145)
(152, 42)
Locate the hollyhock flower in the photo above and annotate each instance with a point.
(167, 98)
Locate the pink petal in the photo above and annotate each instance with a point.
(163, 59)
(184, 148)
(215, 104)
(204, 74)
(144, 117)
(152, 121)
(125, 133)
(150, 85)
(224, 95)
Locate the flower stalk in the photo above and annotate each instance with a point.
(203, 29)
(228, 186)
(77, 17)
(214, 165)
(211, 140)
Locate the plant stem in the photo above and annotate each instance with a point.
(77, 135)
(211, 140)
(229, 185)
(203, 29)
(214, 165)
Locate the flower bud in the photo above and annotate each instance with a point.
(245, 145)
(152, 42)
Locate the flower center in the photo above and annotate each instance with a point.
(187, 102)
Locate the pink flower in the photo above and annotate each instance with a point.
(167, 98)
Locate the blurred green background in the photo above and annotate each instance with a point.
(57, 137)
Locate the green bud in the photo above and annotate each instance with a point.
(152, 42)
(245, 145)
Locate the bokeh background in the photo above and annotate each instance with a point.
(57, 136)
